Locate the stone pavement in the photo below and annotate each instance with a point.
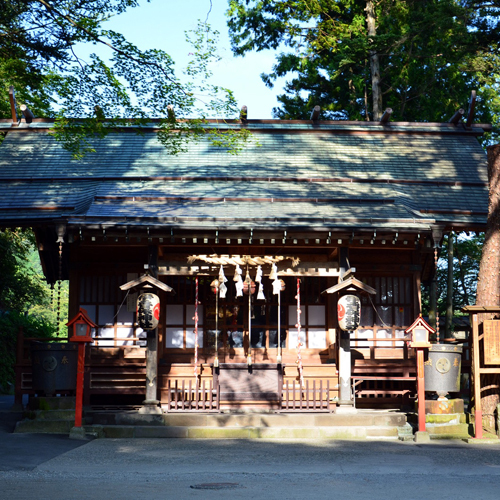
(55, 467)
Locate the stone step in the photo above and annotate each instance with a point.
(131, 424)
(207, 432)
(256, 420)
(44, 426)
(449, 431)
(51, 403)
(51, 415)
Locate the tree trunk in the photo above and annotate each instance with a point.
(374, 62)
(488, 281)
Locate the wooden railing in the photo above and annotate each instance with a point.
(191, 395)
(314, 396)
(384, 383)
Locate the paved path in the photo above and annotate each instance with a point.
(55, 467)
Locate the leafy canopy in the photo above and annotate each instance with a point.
(88, 98)
(432, 53)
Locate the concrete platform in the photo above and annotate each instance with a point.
(363, 424)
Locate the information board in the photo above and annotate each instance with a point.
(491, 342)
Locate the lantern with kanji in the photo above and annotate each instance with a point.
(148, 311)
(349, 311)
(349, 304)
(148, 303)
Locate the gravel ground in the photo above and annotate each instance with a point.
(206, 469)
(52, 467)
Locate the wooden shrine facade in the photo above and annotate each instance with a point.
(314, 198)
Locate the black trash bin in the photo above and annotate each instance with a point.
(54, 367)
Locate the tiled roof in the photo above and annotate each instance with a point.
(289, 175)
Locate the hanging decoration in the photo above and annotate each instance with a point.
(349, 310)
(239, 281)
(222, 286)
(249, 289)
(277, 291)
(299, 341)
(196, 329)
(148, 311)
(60, 240)
(258, 279)
(437, 309)
(215, 288)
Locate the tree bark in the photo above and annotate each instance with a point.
(374, 62)
(488, 281)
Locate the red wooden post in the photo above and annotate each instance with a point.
(81, 326)
(80, 372)
(421, 389)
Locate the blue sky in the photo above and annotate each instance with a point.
(161, 24)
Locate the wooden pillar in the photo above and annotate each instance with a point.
(345, 384)
(476, 373)
(80, 371)
(151, 402)
(421, 390)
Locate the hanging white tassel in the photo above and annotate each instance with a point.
(258, 276)
(239, 287)
(237, 273)
(276, 286)
(222, 277)
(260, 295)
(222, 291)
(274, 272)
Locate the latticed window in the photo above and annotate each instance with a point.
(385, 316)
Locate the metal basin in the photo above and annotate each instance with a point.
(442, 369)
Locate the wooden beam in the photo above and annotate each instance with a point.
(472, 105)
(170, 112)
(386, 116)
(244, 114)
(305, 269)
(12, 98)
(457, 116)
(315, 113)
(28, 115)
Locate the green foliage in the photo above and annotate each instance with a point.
(432, 54)
(136, 85)
(467, 250)
(24, 298)
(10, 324)
(20, 286)
(90, 98)
(37, 36)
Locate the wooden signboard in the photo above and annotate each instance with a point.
(491, 342)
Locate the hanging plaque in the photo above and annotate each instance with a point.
(491, 342)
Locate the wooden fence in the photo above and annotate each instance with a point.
(188, 395)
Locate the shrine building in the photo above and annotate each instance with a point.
(251, 245)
